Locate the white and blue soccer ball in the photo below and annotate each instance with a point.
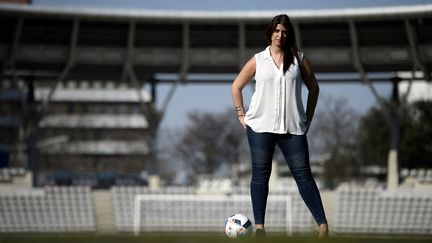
(237, 226)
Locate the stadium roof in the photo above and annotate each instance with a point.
(142, 14)
(87, 43)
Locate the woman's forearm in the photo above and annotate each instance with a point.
(311, 103)
(237, 96)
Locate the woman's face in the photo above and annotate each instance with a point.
(279, 35)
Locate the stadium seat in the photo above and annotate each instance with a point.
(54, 209)
(377, 211)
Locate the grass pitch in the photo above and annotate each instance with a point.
(191, 238)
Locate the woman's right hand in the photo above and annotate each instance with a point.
(242, 121)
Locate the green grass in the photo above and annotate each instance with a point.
(189, 238)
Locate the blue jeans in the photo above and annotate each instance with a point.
(296, 153)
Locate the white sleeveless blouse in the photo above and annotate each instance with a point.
(276, 105)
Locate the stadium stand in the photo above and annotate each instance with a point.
(357, 210)
(103, 132)
(378, 211)
(7, 174)
(53, 209)
(420, 175)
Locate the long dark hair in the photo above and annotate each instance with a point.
(290, 44)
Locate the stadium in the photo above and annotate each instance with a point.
(79, 122)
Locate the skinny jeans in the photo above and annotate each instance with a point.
(296, 154)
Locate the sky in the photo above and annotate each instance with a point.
(217, 98)
(227, 4)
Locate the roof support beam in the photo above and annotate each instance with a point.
(128, 71)
(10, 63)
(415, 56)
(184, 69)
(69, 64)
(355, 48)
(128, 64)
(185, 52)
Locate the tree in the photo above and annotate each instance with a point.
(211, 140)
(416, 145)
(373, 137)
(333, 132)
(416, 133)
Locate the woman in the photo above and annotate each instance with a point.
(276, 116)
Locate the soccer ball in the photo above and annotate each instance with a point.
(238, 225)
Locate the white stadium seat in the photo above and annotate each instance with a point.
(376, 211)
(54, 209)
